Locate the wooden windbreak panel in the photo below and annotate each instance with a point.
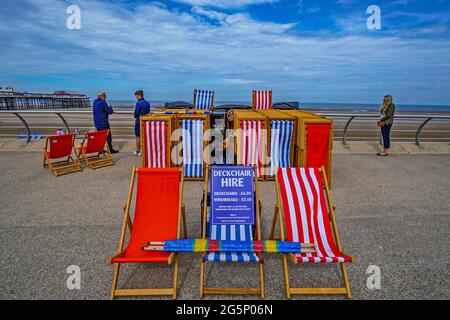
(302, 156)
(206, 126)
(274, 115)
(170, 129)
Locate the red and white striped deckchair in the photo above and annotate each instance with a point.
(304, 198)
(262, 100)
(155, 142)
(251, 144)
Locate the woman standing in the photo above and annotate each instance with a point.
(385, 122)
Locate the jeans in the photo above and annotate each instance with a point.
(109, 138)
(386, 132)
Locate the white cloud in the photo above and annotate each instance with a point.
(225, 4)
(170, 52)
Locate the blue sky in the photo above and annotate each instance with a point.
(307, 51)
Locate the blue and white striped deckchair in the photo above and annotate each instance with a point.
(203, 99)
(233, 233)
(230, 233)
(192, 133)
(280, 145)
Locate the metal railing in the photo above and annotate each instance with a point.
(423, 119)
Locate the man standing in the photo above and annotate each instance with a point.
(142, 109)
(101, 111)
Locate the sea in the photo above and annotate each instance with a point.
(353, 107)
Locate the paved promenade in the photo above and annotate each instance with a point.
(392, 212)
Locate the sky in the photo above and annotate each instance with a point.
(303, 50)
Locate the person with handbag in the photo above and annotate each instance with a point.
(386, 121)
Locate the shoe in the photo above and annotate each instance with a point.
(135, 153)
(114, 151)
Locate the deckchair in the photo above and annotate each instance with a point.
(281, 145)
(303, 197)
(262, 100)
(230, 232)
(155, 141)
(193, 129)
(203, 99)
(251, 144)
(157, 215)
(57, 148)
(92, 148)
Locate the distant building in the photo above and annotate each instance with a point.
(16, 100)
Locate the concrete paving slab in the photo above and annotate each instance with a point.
(392, 212)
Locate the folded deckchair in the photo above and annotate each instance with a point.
(203, 99)
(193, 146)
(227, 233)
(157, 215)
(92, 152)
(251, 143)
(281, 135)
(303, 196)
(57, 148)
(155, 141)
(262, 100)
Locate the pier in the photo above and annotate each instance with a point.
(12, 100)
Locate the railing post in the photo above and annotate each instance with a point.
(344, 138)
(65, 122)
(25, 124)
(419, 131)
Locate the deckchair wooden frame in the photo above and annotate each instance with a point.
(206, 126)
(231, 291)
(170, 128)
(195, 100)
(63, 167)
(278, 217)
(248, 115)
(95, 162)
(127, 224)
(271, 115)
(303, 138)
(254, 98)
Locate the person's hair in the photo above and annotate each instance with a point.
(101, 94)
(386, 103)
(139, 93)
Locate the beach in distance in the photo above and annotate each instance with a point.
(312, 106)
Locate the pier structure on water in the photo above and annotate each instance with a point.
(15, 100)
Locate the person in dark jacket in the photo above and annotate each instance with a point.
(142, 109)
(101, 111)
(386, 121)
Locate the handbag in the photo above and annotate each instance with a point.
(381, 124)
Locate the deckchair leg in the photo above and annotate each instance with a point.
(261, 275)
(286, 277)
(175, 276)
(202, 277)
(274, 223)
(183, 215)
(115, 279)
(346, 282)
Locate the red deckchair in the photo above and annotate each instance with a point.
(303, 196)
(262, 99)
(92, 147)
(157, 217)
(57, 148)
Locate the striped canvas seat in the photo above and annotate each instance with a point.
(280, 144)
(306, 214)
(203, 99)
(233, 233)
(155, 144)
(192, 134)
(262, 100)
(251, 143)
